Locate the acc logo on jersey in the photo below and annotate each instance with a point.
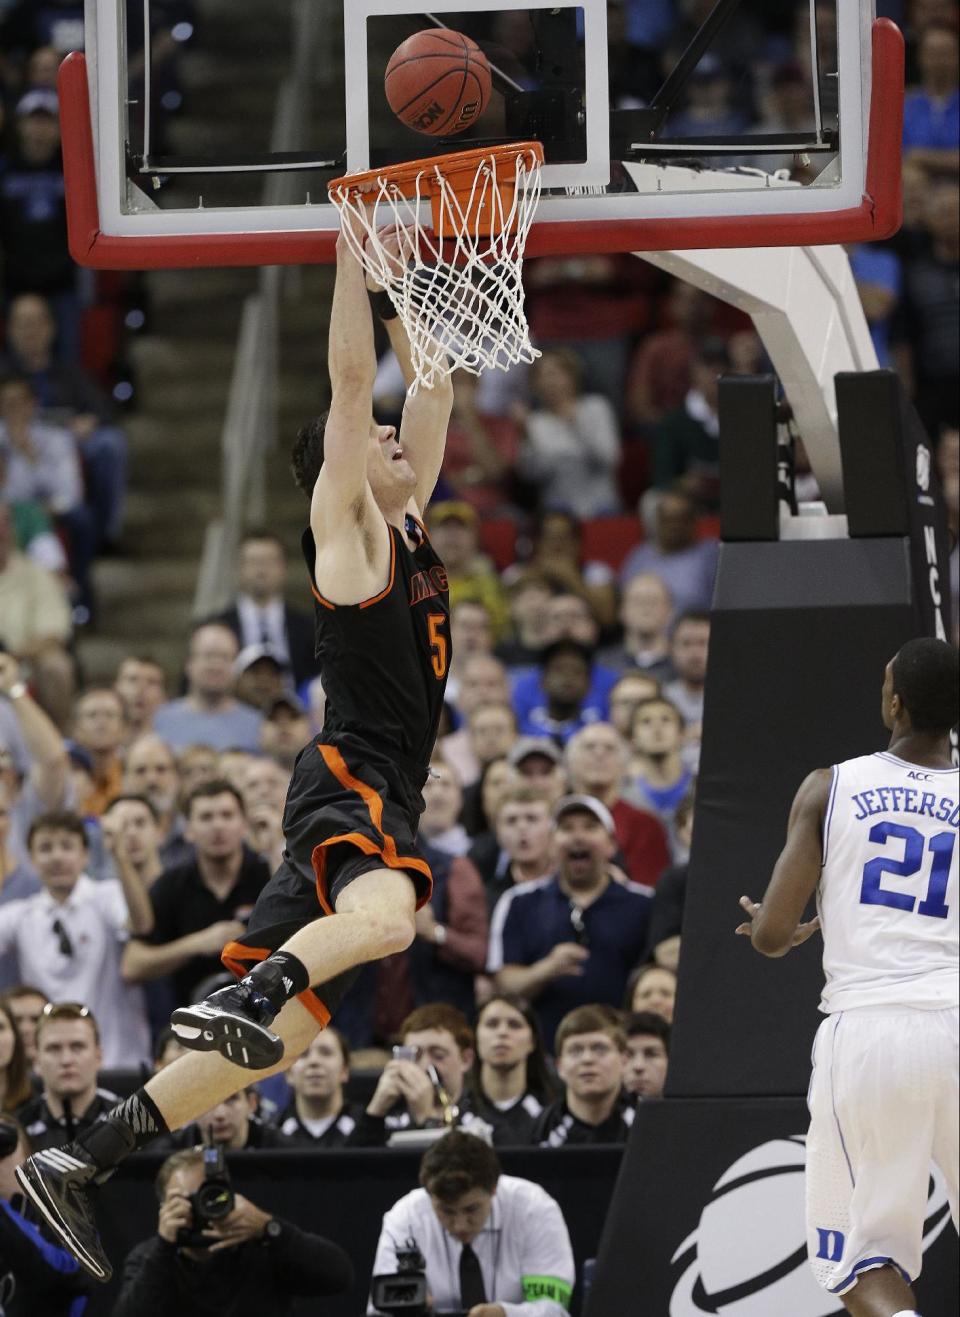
(749, 1254)
(923, 468)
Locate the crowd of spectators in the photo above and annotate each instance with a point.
(140, 818)
(64, 382)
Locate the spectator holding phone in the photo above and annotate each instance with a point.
(422, 1085)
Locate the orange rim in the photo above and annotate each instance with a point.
(459, 169)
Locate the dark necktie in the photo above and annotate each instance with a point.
(471, 1280)
(265, 636)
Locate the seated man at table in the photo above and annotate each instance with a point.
(493, 1244)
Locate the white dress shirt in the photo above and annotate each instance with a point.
(263, 625)
(523, 1249)
(81, 963)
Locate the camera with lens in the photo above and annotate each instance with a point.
(213, 1201)
(405, 1291)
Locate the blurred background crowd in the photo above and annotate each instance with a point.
(141, 806)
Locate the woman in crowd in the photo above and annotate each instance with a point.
(571, 446)
(652, 988)
(14, 1078)
(511, 1082)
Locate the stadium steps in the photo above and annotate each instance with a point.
(183, 365)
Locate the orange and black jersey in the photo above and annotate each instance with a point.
(384, 662)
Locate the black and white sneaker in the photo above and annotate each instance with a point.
(57, 1181)
(234, 1022)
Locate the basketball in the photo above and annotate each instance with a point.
(438, 82)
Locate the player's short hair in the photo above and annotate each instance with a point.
(162, 1041)
(306, 456)
(440, 1015)
(691, 615)
(145, 660)
(590, 1019)
(56, 1012)
(260, 535)
(137, 799)
(642, 1023)
(522, 794)
(650, 700)
(178, 1161)
(925, 676)
(11, 378)
(458, 1163)
(217, 786)
(568, 360)
(57, 820)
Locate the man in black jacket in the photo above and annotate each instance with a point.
(249, 1262)
(259, 615)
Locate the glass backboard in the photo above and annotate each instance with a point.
(763, 122)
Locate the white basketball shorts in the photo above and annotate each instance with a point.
(883, 1105)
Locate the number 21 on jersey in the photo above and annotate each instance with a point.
(915, 848)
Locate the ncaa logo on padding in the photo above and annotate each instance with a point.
(923, 467)
(748, 1255)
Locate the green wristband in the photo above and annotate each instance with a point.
(383, 306)
(546, 1287)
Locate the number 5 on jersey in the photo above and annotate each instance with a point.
(439, 645)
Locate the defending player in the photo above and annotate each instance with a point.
(354, 800)
(876, 837)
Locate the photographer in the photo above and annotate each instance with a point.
(230, 1257)
(35, 1276)
(493, 1245)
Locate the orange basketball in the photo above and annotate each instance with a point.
(438, 82)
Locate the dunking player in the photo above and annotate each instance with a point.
(354, 800)
(876, 837)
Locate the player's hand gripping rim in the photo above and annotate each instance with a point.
(800, 934)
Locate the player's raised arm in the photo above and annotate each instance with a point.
(423, 429)
(352, 364)
(775, 925)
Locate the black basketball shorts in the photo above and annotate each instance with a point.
(348, 811)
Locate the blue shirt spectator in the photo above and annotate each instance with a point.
(568, 691)
(879, 279)
(208, 714)
(571, 939)
(687, 566)
(538, 919)
(930, 123)
(931, 112)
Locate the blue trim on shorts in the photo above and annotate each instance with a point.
(863, 1265)
(843, 1144)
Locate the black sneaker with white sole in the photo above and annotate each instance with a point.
(234, 1022)
(57, 1181)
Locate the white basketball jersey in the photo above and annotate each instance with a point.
(888, 897)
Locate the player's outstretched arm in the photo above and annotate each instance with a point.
(352, 363)
(423, 429)
(774, 926)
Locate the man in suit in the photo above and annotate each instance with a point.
(259, 614)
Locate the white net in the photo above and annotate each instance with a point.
(456, 285)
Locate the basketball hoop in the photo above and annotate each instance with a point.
(456, 287)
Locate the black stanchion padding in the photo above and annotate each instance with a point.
(748, 458)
